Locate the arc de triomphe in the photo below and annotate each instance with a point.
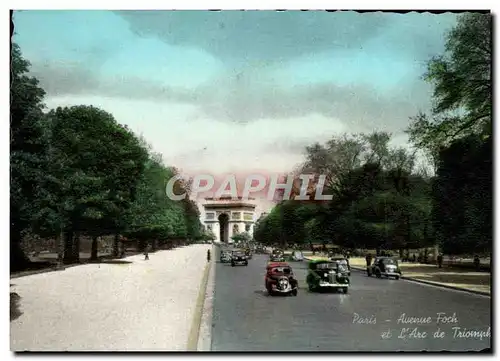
(226, 217)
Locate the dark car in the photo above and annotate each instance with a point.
(279, 279)
(384, 266)
(260, 250)
(277, 256)
(327, 275)
(239, 258)
(343, 260)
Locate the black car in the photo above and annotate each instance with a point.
(342, 260)
(239, 257)
(384, 266)
(277, 255)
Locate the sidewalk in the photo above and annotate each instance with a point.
(477, 282)
(131, 305)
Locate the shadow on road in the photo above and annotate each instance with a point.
(15, 306)
(261, 293)
(111, 261)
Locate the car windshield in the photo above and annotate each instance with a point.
(238, 253)
(342, 267)
(323, 266)
(389, 261)
(285, 270)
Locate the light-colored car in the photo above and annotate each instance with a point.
(297, 256)
(225, 256)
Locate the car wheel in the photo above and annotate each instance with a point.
(246, 263)
(378, 274)
(396, 278)
(232, 264)
(346, 289)
(294, 292)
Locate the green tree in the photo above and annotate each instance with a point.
(462, 86)
(458, 137)
(462, 203)
(95, 164)
(28, 153)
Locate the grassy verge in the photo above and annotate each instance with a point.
(448, 275)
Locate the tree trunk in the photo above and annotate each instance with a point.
(60, 248)
(94, 249)
(76, 247)
(68, 246)
(116, 246)
(18, 259)
(154, 244)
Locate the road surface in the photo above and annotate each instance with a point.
(246, 319)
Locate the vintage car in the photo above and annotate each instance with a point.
(327, 275)
(384, 266)
(239, 257)
(260, 250)
(297, 256)
(277, 255)
(343, 260)
(225, 256)
(280, 279)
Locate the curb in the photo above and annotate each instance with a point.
(482, 293)
(205, 333)
(192, 342)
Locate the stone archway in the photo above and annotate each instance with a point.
(224, 227)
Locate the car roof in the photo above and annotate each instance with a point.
(277, 264)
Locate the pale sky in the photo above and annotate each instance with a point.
(237, 91)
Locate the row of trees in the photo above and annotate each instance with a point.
(76, 171)
(383, 199)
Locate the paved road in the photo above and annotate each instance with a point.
(246, 319)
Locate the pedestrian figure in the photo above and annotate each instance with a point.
(477, 262)
(146, 253)
(368, 260)
(208, 256)
(440, 260)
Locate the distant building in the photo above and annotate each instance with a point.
(226, 217)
